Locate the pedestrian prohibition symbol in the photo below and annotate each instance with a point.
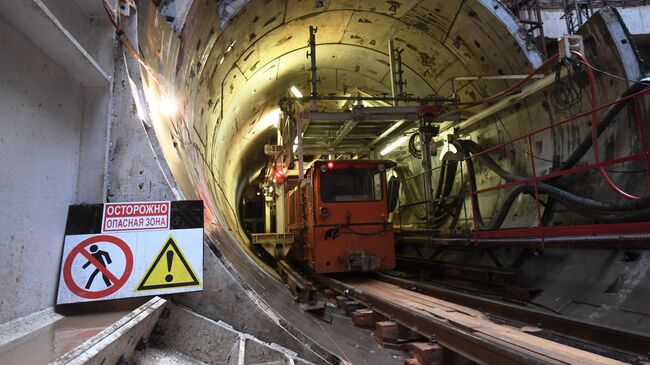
(98, 261)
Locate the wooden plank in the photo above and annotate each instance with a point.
(557, 350)
(422, 298)
(480, 324)
(542, 357)
(504, 103)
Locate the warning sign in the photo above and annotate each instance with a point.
(96, 252)
(139, 216)
(170, 269)
(102, 266)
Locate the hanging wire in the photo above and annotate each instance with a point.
(565, 95)
(126, 43)
(644, 81)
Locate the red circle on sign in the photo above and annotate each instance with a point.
(67, 267)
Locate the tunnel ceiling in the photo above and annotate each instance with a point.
(234, 69)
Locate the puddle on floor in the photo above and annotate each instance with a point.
(52, 341)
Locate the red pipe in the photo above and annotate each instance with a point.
(594, 127)
(594, 119)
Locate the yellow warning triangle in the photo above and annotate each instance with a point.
(169, 269)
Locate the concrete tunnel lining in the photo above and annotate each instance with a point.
(207, 66)
(253, 47)
(206, 69)
(221, 77)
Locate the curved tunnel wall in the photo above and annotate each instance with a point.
(231, 67)
(230, 71)
(230, 77)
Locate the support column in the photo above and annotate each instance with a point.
(280, 218)
(268, 200)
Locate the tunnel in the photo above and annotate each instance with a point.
(515, 166)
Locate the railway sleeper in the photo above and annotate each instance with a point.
(424, 353)
(348, 305)
(366, 318)
(304, 292)
(393, 335)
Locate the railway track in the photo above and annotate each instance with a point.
(615, 338)
(470, 331)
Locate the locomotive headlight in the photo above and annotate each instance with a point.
(381, 167)
(323, 168)
(324, 211)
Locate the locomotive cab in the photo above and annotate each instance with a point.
(344, 225)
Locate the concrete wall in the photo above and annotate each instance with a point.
(40, 123)
(52, 142)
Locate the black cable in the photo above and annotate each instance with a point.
(645, 82)
(564, 95)
(629, 210)
(413, 150)
(441, 179)
(393, 193)
(585, 145)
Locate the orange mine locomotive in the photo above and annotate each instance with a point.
(339, 216)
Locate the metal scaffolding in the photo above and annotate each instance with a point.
(529, 14)
(576, 13)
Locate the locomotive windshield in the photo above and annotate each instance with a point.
(351, 185)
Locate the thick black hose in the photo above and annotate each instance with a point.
(605, 122)
(441, 180)
(632, 210)
(577, 200)
(393, 193)
(585, 145)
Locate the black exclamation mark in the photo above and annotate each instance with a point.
(170, 258)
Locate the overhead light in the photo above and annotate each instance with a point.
(396, 143)
(294, 90)
(361, 103)
(169, 105)
(269, 119)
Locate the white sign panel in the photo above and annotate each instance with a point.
(130, 264)
(142, 216)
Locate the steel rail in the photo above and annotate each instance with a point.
(619, 339)
(475, 347)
